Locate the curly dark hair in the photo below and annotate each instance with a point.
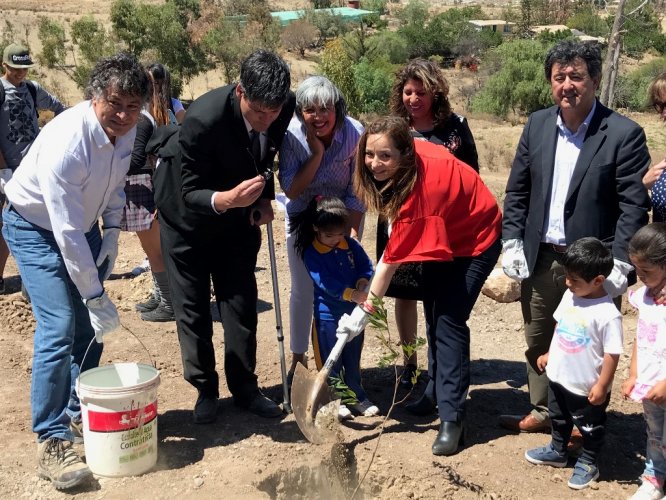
(122, 72)
(566, 51)
(433, 80)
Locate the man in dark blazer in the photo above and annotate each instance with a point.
(577, 172)
(213, 193)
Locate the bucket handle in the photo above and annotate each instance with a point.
(152, 361)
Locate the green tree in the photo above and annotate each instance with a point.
(413, 28)
(228, 45)
(462, 15)
(447, 34)
(631, 89)
(329, 25)
(321, 4)
(525, 21)
(93, 43)
(51, 35)
(129, 24)
(642, 29)
(373, 81)
(268, 26)
(356, 42)
(299, 35)
(378, 6)
(89, 42)
(517, 82)
(335, 65)
(549, 38)
(161, 32)
(390, 45)
(585, 19)
(242, 7)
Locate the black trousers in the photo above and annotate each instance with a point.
(451, 290)
(191, 262)
(566, 410)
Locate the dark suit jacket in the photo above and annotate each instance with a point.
(606, 197)
(214, 155)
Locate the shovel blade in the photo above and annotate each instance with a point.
(315, 410)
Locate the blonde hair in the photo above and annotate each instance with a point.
(387, 198)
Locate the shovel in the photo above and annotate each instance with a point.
(312, 400)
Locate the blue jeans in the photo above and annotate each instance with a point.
(655, 459)
(63, 330)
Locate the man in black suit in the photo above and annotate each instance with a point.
(577, 172)
(213, 193)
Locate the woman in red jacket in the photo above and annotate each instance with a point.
(441, 214)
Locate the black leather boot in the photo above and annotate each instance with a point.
(450, 438)
(422, 407)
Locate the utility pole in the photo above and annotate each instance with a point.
(610, 69)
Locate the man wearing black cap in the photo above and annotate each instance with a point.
(19, 101)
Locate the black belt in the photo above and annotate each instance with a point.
(554, 248)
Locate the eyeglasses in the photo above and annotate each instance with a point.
(314, 111)
(659, 106)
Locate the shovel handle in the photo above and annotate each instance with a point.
(335, 353)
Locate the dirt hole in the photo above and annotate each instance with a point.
(335, 478)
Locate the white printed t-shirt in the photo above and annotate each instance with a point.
(650, 343)
(586, 330)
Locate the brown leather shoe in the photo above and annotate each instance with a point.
(527, 423)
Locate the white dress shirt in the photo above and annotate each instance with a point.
(567, 151)
(72, 176)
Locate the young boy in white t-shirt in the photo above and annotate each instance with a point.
(581, 361)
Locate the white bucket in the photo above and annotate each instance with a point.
(119, 410)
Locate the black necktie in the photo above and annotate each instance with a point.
(255, 145)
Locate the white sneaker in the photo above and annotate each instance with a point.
(344, 413)
(647, 491)
(365, 408)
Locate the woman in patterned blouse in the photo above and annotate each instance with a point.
(316, 159)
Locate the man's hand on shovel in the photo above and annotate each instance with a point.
(353, 324)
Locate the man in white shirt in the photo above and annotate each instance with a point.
(73, 174)
(577, 173)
